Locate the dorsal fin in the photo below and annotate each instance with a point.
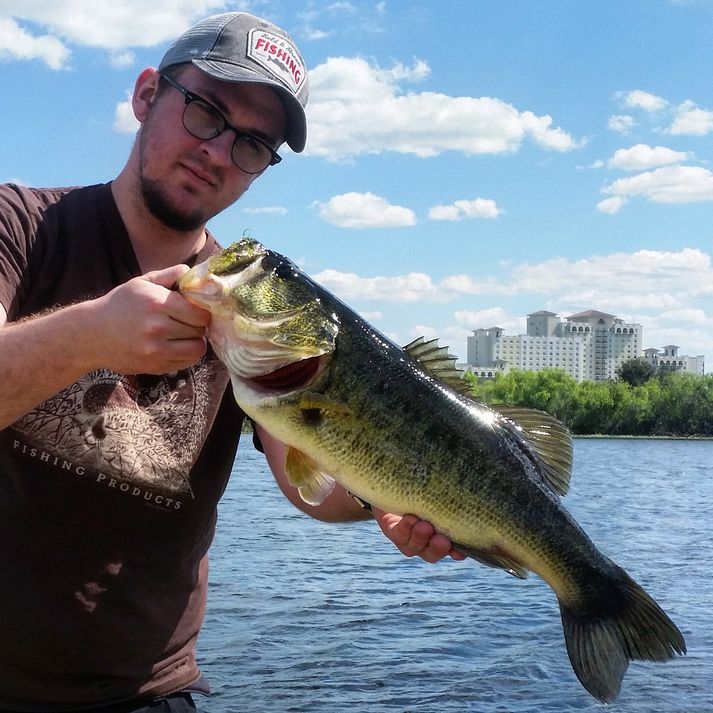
(550, 440)
(438, 362)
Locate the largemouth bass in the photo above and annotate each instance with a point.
(394, 427)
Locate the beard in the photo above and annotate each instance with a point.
(160, 207)
(158, 201)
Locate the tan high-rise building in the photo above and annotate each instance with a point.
(669, 359)
(589, 346)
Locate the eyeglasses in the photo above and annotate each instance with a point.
(205, 121)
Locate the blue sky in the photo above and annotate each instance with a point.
(467, 162)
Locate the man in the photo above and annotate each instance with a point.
(118, 428)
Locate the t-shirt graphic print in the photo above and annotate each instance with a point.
(130, 432)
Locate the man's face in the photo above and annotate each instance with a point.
(184, 180)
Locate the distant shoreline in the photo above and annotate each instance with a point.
(643, 438)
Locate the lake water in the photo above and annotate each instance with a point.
(306, 616)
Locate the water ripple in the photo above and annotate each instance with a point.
(309, 617)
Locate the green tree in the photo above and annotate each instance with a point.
(635, 371)
(685, 405)
(673, 404)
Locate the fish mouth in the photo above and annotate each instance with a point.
(291, 377)
(200, 288)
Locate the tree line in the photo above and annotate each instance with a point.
(665, 404)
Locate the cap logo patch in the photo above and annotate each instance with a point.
(276, 55)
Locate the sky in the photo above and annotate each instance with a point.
(468, 162)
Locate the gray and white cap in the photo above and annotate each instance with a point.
(238, 47)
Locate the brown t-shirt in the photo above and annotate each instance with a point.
(108, 490)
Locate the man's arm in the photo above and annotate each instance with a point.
(411, 535)
(141, 326)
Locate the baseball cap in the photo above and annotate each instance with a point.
(239, 47)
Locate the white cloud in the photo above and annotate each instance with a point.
(414, 287)
(658, 289)
(688, 328)
(492, 317)
(669, 184)
(364, 210)
(266, 210)
(611, 205)
(342, 16)
(111, 25)
(686, 314)
(372, 316)
(616, 303)
(341, 6)
(664, 278)
(314, 34)
(467, 285)
(621, 123)
(540, 129)
(359, 108)
(124, 120)
(401, 72)
(454, 338)
(18, 44)
(120, 59)
(688, 118)
(342, 81)
(461, 209)
(641, 157)
(691, 120)
(638, 99)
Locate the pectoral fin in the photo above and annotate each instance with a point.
(304, 474)
(494, 559)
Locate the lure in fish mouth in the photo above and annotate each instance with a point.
(265, 327)
(395, 427)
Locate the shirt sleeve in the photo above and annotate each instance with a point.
(17, 233)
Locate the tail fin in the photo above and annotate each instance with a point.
(630, 626)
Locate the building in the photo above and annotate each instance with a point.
(589, 346)
(669, 358)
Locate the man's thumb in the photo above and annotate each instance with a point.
(168, 277)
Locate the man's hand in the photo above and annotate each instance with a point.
(415, 537)
(144, 326)
(141, 327)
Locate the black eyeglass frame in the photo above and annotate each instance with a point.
(191, 97)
